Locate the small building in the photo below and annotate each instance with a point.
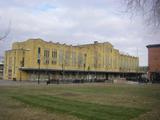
(154, 62)
(1, 70)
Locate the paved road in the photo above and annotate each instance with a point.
(11, 82)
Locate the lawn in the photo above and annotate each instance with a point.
(79, 101)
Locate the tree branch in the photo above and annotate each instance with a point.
(150, 10)
(7, 32)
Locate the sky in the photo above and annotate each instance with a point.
(76, 22)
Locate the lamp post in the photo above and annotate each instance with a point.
(38, 70)
(85, 55)
(88, 73)
(39, 62)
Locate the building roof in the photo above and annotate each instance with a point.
(153, 46)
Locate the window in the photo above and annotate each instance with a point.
(39, 55)
(80, 60)
(61, 54)
(74, 58)
(85, 58)
(95, 60)
(10, 68)
(46, 56)
(39, 50)
(67, 57)
(22, 62)
(54, 56)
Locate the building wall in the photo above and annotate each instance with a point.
(90, 57)
(154, 63)
(154, 59)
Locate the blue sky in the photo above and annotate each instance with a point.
(76, 22)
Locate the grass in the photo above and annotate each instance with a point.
(84, 101)
(92, 111)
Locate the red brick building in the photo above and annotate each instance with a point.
(154, 62)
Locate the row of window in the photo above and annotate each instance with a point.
(71, 58)
(63, 59)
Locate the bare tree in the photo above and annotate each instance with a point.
(6, 33)
(150, 10)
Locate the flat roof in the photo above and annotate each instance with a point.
(153, 46)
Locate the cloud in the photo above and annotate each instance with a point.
(75, 22)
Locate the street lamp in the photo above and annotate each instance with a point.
(38, 70)
(39, 62)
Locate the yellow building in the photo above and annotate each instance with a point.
(36, 59)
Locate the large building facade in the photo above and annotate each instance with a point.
(154, 62)
(36, 59)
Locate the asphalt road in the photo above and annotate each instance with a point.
(11, 82)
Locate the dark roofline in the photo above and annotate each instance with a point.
(153, 46)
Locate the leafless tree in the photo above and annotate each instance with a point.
(150, 10)
(6, 33)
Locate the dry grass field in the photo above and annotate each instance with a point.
(96, 101)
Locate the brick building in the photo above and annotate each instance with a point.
(154, 62)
